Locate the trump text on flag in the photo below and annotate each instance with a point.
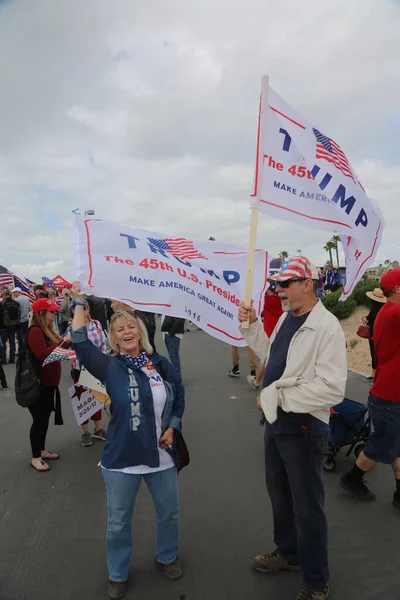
(304, 176)
(200, 280)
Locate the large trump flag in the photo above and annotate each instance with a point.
(199, 280)
(303, 176)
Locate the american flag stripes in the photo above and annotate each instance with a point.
(6, 277)
(329, 150)
(25, 291)
(60, 354)
(180, 247)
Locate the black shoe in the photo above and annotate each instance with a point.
(117, 589)
(4, 386)
(234, 372)
(357, 489)
(396, 499)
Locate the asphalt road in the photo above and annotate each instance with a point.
(52, 525)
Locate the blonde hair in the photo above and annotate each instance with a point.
(144, 343)
(48, 329)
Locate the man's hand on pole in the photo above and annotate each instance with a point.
(247, 313)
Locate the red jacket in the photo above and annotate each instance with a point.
(41, 347)
(387, 353)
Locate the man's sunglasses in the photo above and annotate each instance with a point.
(285, 284)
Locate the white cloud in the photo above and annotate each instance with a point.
(35, 272)
(146, 112)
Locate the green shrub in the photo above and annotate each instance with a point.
(353, 343)
(359, 292)
(341, 310)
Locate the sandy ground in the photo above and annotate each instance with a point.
(358, 358)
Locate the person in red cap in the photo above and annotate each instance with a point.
(383, 445)
(305, 374)
(42, 339)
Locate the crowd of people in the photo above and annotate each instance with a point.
(301, 374)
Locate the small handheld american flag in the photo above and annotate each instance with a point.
(60, 354)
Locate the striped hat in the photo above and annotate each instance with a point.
(298, 267)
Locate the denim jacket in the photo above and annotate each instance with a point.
(131, 436)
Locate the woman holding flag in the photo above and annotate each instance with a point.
(147, 404)
(42, 339)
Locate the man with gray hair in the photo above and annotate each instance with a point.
(25, 305)
(305, 374)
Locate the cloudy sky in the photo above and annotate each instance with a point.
(146, 110)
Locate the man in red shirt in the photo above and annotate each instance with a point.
(383, 445)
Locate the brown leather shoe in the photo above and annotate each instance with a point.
(173, 570)
(306, 594)
(273, 563)
(117, 589)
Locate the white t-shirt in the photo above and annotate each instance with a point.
(159, 398)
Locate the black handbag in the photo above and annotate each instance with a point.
(182, 449)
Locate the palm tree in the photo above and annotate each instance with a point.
(387, 262)
(335, 240)
(211, 239)
(284, 255)
(328, 248)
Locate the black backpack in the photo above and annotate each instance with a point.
(27, 381)
(11, 313)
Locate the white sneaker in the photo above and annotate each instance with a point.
(252, 381)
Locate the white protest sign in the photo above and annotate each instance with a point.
(202, 281)
(84, 404)
(304, 177)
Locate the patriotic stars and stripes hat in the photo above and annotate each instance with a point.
(298, 267)
(44, 304)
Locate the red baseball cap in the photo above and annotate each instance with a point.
(390, 279)
(44, 304)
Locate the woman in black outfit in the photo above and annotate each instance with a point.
(42, 339)
(377, 301)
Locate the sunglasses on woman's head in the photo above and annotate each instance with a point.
(285, 284)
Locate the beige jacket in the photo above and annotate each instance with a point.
(316, 369)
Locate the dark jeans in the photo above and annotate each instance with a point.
(151, 332)
(294, 476)
(8, 335)
(173, 343)
(3, 380)
(21, 334)
(41, 411)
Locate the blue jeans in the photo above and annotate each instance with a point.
(173, 343)
(294, 475)
(8, 335)
(122, 489)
